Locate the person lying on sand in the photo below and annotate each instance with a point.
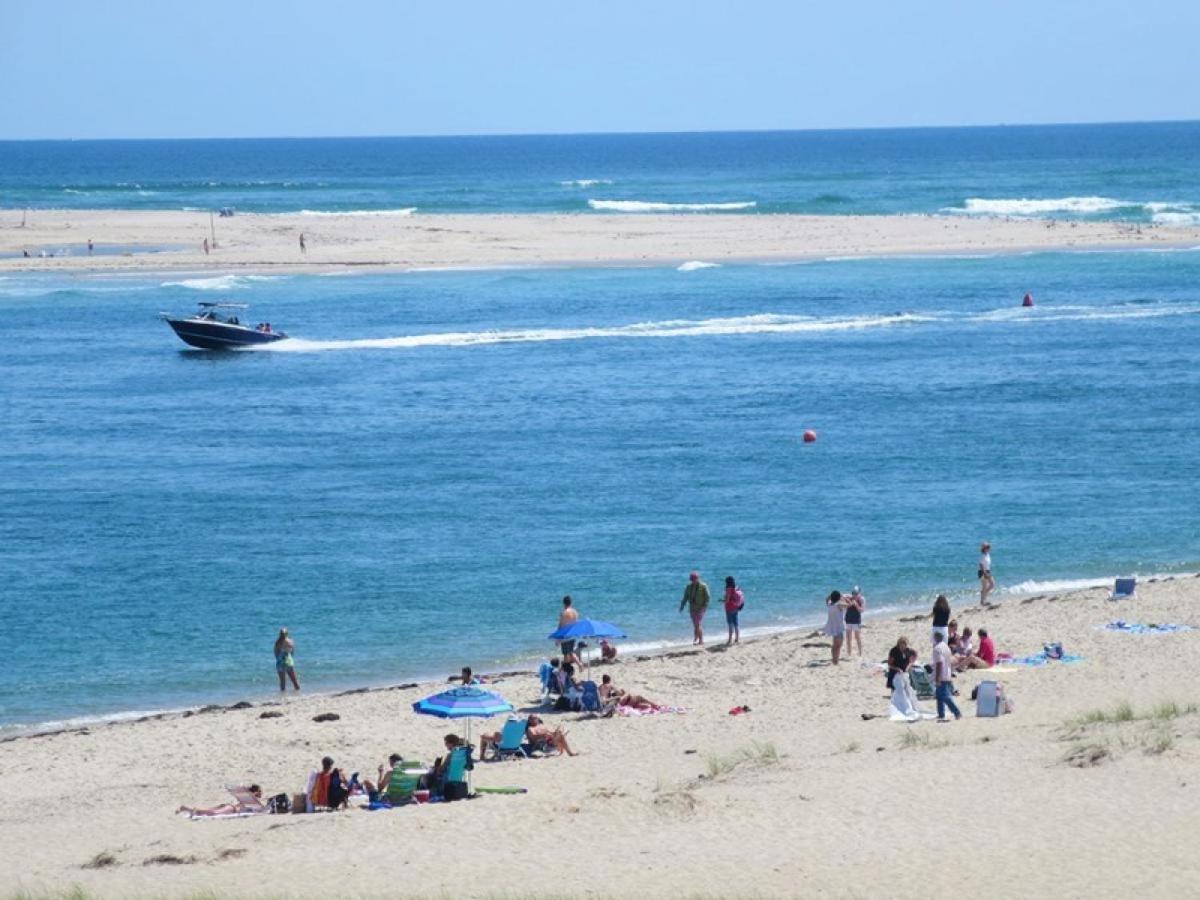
(609, 692)
(249, 801)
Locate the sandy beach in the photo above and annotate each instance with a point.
(271, 243)
(799, 797)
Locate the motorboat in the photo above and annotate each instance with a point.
(217, 327)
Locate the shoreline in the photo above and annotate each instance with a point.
(758, 799)
(269, 243)
(893, 614)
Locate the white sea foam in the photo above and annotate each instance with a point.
(222, 282)
(768, 323)
(695, 264)
(649, 206)
(1062, 585)
(1176, 218)
(586, 182)
(403, 211)
(1159, 211)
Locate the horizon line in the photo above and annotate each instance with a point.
(531, 134)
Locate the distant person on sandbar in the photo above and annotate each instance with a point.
(855, 604)
(568, 616)
(986, 582)
(941, 618)
(91, 247)
(303, 248)
(285, 663)
(734, 601)
(695, 598)
(835, 622)
(205, 245)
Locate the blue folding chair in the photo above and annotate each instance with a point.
(512, 740)
(1124, 589)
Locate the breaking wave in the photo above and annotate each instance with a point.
(221, 282)
(402, 211)
(586, 182)
(693, 265)
(649, 206)
(1160, 212)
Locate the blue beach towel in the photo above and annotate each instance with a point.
(1039, 659)
(1139, 628)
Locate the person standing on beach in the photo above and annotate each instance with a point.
(835, 622)
(734, 601)
(695, 598)
(986, 582)
(569, 616)
(285, 665)
(942, 676)
(91, 246)
(855, 604)
(303, 248)
(941, 618)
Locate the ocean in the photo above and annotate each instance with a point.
(413, 482)
(1136, 172)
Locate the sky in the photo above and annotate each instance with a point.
(256, 68)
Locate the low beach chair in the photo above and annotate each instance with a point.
(921, 682)
(250, 804)
(512, 741)
(402, 782)
(1124, 589)
(454, 778)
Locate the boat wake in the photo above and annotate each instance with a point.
(759, 324)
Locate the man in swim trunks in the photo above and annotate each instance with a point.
(569, 616)
(695, 598)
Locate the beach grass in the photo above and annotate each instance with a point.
(912, 739)
(758, 752)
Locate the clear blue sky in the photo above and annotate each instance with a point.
(214, 68)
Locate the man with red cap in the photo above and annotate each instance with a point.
(695, 598)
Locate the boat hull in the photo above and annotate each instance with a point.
(220, 335)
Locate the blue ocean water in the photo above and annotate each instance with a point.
(413, 482)
(1134, 172)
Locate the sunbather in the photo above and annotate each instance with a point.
(541, 736)
(239, 807)
(609, 691)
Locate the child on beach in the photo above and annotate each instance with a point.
(734, 601)
(285, 663)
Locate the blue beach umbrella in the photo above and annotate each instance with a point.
(467, 702)
(587, 628)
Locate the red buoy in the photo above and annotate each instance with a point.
(1028, 301)
(810, 436)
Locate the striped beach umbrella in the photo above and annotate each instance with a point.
(463, 703)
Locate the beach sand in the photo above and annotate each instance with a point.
(799, 797)
(270, 243)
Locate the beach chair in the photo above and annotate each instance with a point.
(402, 782)
(1124, 589)
(512, 741)
(454, 779)
(250, 804)
(589, 699)
(921, 683)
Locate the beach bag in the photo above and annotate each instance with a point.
(280, 803)
(299, 803)
(989, 699)
(1053, 650)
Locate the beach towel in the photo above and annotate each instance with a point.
(904, 706)
(1139, 628)
(652, 711)
(1041, 659)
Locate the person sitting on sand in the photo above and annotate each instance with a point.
(897, 659)
(541, 736)
(984, 657)
(966, 644)
(608, 653)
(468, 677)
(239, 807)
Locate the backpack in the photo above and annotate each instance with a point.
(280, 803)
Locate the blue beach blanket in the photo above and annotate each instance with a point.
(1039, 659)
(1139, 628)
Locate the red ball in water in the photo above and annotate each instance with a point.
(810, 436)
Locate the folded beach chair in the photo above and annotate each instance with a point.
(1124, 589)
(989, 699)
(546, 677)
(921, 682)
(512, 740)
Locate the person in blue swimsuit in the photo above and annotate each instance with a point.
(285, 664)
